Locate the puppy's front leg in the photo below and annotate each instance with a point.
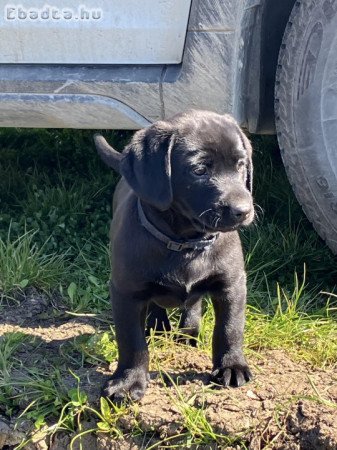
(131, 375)
(229, 365)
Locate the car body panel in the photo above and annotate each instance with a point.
(224, 68)
(99, 32)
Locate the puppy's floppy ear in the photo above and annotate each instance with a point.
(146, 164)
(248, 147)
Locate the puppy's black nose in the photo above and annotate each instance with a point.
(240, 212)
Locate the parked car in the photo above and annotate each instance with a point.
(124, 64)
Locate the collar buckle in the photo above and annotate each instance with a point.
(175, 246)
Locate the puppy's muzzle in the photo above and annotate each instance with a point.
(234, 214)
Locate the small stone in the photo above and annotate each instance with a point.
(252, 395)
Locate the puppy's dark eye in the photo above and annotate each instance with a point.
(200, 170)
(240, 165)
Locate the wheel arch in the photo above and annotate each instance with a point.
(263, 25)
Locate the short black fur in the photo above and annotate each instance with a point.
(193, 174)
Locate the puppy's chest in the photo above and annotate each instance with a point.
(184, 284)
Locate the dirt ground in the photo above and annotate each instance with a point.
(288, 405)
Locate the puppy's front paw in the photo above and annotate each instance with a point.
(132, 384)
(234, 375)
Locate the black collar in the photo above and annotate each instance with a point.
(192, 244)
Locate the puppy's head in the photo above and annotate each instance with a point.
(198, 163)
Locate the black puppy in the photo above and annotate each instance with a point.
(185, 190)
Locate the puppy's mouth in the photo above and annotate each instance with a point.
(212, 221)
(215, 219)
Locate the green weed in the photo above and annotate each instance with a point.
(23, 263)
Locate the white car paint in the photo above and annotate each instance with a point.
(93, 31)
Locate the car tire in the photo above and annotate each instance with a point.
(306, 111)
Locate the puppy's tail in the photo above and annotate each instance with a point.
(109, 155)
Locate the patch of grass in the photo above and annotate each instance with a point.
(292, 327)
(71, 412)
(100, 348)
(8, 345)
(52, 182)
(282, 240)
(32, 387)
(88, 290)
(288, 321)
(55, 206)
(108, 415)
(23, 263)
(90, 296)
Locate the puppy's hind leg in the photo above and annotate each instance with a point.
(189, 325)
(131, 376)
(157, 319)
